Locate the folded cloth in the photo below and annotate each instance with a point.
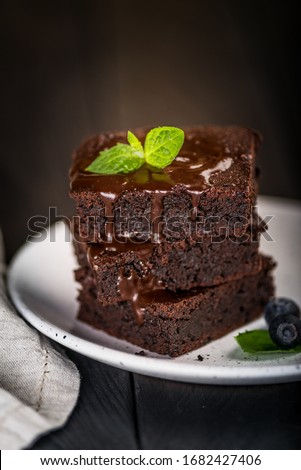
(39, 385)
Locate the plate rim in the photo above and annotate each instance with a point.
(145, 365)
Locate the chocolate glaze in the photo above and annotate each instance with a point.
(135, 289)
(138, 290)
(96, 251)
(206, 152)
(156, 215)
(189, 169)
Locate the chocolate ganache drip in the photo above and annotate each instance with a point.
(198, 160)
(133, 288)
(201, 157)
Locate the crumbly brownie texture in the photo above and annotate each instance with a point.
(179, 323)
(211, 184)
(180, 265)
(152, 293)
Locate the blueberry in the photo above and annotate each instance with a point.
(280, 306)
(285, 331)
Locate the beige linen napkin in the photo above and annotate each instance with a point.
(39, 385)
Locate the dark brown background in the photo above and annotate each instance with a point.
(72, 68)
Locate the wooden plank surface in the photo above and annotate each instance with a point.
(104, 417)
(174, 415)
(120, 410)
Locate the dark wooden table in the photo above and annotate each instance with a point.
(75, 68)
(121, 410)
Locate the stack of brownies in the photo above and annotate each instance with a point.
(169, 258)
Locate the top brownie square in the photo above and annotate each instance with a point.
(210, 187)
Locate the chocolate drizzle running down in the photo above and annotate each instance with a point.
(195, 204)
(109, 200)
(156, 215)
(133, 288)
(203, 155)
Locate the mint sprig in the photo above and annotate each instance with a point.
(259, 342)
(121, 158)
(134, 142)
(162, 145)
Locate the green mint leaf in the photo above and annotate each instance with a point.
(162, 145)
(259, 342)
(122, 158)
(134, 142)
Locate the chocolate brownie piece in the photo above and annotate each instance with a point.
(121, 269)
(176, 323)
(211, 185)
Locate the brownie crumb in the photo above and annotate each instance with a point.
(204, 276)
(162, 329)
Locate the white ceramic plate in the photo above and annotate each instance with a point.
(40, 281)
